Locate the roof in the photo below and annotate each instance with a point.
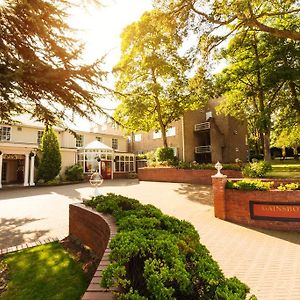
(28, 121)
(96, 145)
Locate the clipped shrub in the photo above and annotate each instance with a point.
(164, 154)
(55, 181)
(257, 169)
(50, 163)
(141, 156)
(250, 185)
(289, 187)
(155, 256)
(74, 173)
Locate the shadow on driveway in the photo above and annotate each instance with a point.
(69, 190)
(197, 193)
(13, 236)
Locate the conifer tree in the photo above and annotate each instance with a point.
(50, 163)
(40, 63)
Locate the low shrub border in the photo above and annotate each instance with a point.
(94, 230)
(154, 256)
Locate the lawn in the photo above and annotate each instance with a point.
(285, 169)
(44, 272)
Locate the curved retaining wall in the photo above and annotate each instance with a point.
(182, 175)
(94, 230)
(274, 209)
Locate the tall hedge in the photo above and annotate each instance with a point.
(50, 163)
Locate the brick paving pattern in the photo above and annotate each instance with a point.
(268, 261)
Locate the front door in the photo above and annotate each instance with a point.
(106, 169)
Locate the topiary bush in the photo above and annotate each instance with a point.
(250, 185)
(155, 256)
(257, 169)
(164, 154)
(74, 173)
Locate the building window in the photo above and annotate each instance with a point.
(79, 140)
(99, 138)
(114, 143)
(208, 115)
(156, 134)
(5, 133)
(39, 136)
(171, 131)
(124, 163)
(137, 137)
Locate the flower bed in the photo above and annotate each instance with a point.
(255, 204)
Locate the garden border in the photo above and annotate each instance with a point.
(172, 174)
(94, 230)
(235, 205)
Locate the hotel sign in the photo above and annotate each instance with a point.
(275, 211)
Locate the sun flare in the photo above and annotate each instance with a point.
(99, 29)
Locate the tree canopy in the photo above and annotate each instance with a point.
(261, 83)
(207, 16)
(40, 64)
(152, 78)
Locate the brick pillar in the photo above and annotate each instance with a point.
(218, 186)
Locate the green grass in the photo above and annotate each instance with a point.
(285, 169)
(44, 272)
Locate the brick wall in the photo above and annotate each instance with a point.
(181, 175)
(234, 205)
(95, 230)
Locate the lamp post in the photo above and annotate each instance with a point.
(96, 178)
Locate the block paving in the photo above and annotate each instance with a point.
(267, 261)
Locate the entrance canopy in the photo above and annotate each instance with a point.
(96, 145)
(88, 155)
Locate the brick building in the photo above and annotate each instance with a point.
(200, 135)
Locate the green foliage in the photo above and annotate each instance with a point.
(197, 166)
(249, 185)
(50, 163)
(74, 173)
(289, 186)
(164, 154)
(40, 63)
(257, 169)
(288, 137)
(141, 156)
(54, 274)
(54, 181)
(155, 256)
(152, 80)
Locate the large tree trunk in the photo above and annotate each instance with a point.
(267, 152)
(164, 136)
(159, 114)
(262, 143)
(296, 102)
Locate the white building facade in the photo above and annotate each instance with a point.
(19, 145)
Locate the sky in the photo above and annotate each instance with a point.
(99, 28)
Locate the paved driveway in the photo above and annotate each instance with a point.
(268, 261)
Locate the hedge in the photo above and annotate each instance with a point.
(155, 256)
